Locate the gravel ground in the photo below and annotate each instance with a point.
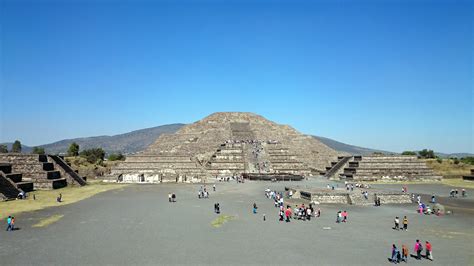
(137, 225)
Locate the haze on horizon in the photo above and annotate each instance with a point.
(389, 75)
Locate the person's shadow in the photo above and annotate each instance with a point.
(16, 229)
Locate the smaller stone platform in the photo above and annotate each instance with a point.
(469, 177)
(273, 177)
(343, 196)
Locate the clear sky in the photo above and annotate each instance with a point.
(393, 75)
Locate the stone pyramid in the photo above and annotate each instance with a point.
(223, 144)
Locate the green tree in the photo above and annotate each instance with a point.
(93, 155)
(427, 154)
(456, 160)
(3, 148)
(116, 157)
(73, 149)
(408, 153)
(38, 150)
(468, 160)
(16, 147)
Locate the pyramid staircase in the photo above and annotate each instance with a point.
(11, 184)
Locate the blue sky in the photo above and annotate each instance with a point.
(393, 75)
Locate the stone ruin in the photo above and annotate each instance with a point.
(223, 145)
(28, 172)
(343, 196)
(380, 167)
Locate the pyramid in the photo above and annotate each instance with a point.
(224, 144)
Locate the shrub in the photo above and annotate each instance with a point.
(73, 149)
(116, 157)
(38, 150)
(93, 155)
(409, 153)
(3, 148)
(427, 154)
(439, 160)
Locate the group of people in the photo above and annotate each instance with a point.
(341, 217)
(10, 223)
(455, 192)
(397, 224)
(203, 193)
(402, 255)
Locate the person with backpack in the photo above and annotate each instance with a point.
(418, 249)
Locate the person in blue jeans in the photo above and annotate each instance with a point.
(395, 254)
(9, 223)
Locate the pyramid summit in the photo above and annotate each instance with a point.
(225, 144)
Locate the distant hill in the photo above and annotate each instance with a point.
(126, 143)
(351, 149)
(138, 140)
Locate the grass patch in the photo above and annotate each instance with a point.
(47, 198)
(221, 219)
(458, 182)
(49, 220)
(448, 169)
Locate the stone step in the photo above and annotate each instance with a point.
(15, 177)
(6, 168)
(26, 186)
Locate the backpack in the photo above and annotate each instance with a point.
(420, 247)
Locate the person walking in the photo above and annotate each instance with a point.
(288, 214)
(169, 197)
(405, 223)
(344, 216)
(173, 197)
(394, 258)
(9, 223)
(338, 217)
(418, 249)
(397, 224)
(214, 187)
(404, 253)
(429, 253)
(13, 223)
(254, 208)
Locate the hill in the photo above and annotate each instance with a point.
(351, 149)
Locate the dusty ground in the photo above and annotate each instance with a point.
(137, 225)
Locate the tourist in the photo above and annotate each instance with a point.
(433, 199)
(13, 223)
(405, 223)
(397, 224)
(395, 254)
(418, 249)
(318, 214)
(309, 212)
(338, 217)
(288, 213)
(169, 197)
(344, 216)
(173, 197)
(429, 253)
(404, 253)
(264, 218)
(463, 193)
(281, 213)
(290, 194)
(254, 208)
(9, 223)
(214, 187)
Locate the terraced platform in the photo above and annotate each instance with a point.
(223, 145)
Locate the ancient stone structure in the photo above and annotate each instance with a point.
(469, 177)
(43, 171)
(380, 167)
(341, 196)
(226, 144)
(11, 184)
